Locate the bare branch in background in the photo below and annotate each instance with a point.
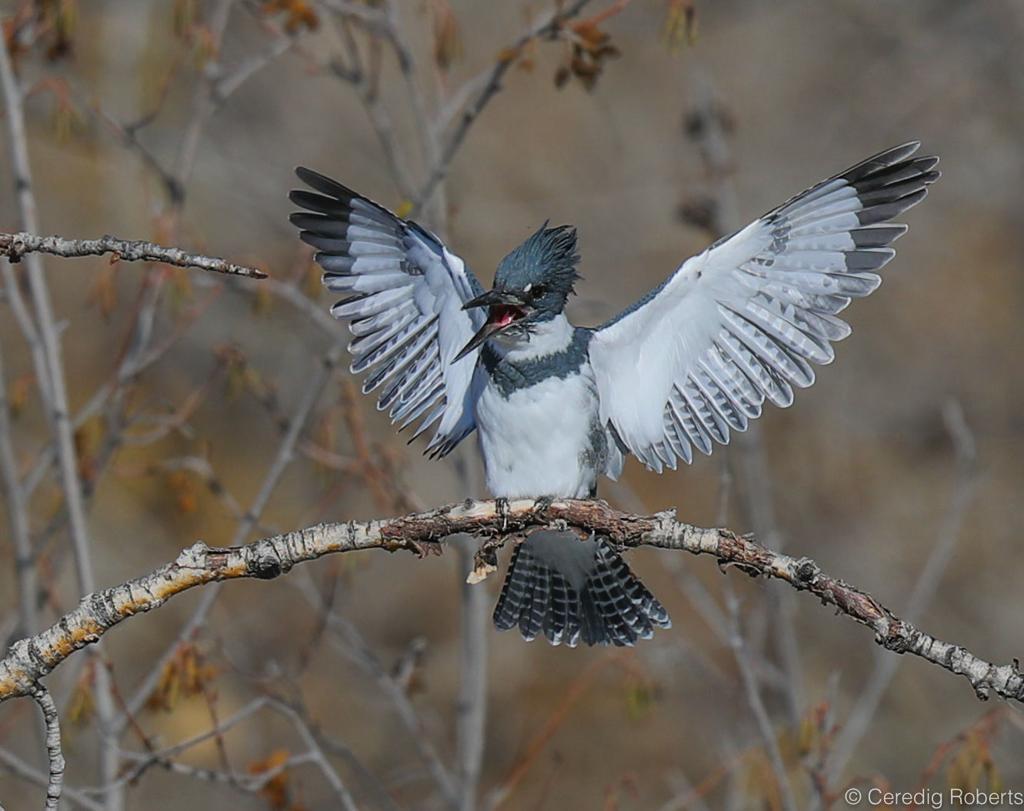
(15, 246)
(17, 514)
(964, 491)
(317, 755)
(205, 99)
(24, 771)
(753, 692)
(50, 375)
(286, 453)
(471, 712)
(549, 28)
(359, 650)
(709, 126)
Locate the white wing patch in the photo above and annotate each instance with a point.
(743, 321)
(404, 309)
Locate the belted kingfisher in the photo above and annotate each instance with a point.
(556, 406)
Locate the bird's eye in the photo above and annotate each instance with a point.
(538, 291)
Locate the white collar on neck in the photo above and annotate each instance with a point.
(545, 338)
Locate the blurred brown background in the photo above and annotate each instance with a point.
(860, 473)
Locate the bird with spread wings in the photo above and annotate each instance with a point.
(555, 405)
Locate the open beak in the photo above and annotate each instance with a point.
(504, 309)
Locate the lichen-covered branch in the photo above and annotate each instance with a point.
(14, 246)
(30, 659)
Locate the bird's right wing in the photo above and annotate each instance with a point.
(404, 309)
(743, 321)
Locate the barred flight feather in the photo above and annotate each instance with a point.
(744, 321)
(401, 282)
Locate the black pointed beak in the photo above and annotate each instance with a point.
(485, 332)
(495, 300)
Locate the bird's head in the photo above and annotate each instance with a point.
(532, 285)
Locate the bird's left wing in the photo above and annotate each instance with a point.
(404, 307)
(743, 321)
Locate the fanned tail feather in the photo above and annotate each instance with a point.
(599, 603)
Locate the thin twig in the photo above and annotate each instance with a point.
(249, 784)
(549, 28)
(54, 753)
(17, 514)
(332, 746)
(357, 648)
(317, 755)
(224, 86)
(204, 99)
(145, 760)
(352, 71)
(15, 246)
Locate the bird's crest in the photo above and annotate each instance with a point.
(548, 256)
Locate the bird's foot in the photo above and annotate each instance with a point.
(543, 504)
(502, 511)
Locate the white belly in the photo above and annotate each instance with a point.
(538, 441)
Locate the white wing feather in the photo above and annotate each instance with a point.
(743, 321)
(404, 311)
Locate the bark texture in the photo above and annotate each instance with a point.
(28, 660)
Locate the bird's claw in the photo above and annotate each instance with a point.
(501, 508)
(543, 504)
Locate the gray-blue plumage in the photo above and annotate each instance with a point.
(544, 266)
(557, 406)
